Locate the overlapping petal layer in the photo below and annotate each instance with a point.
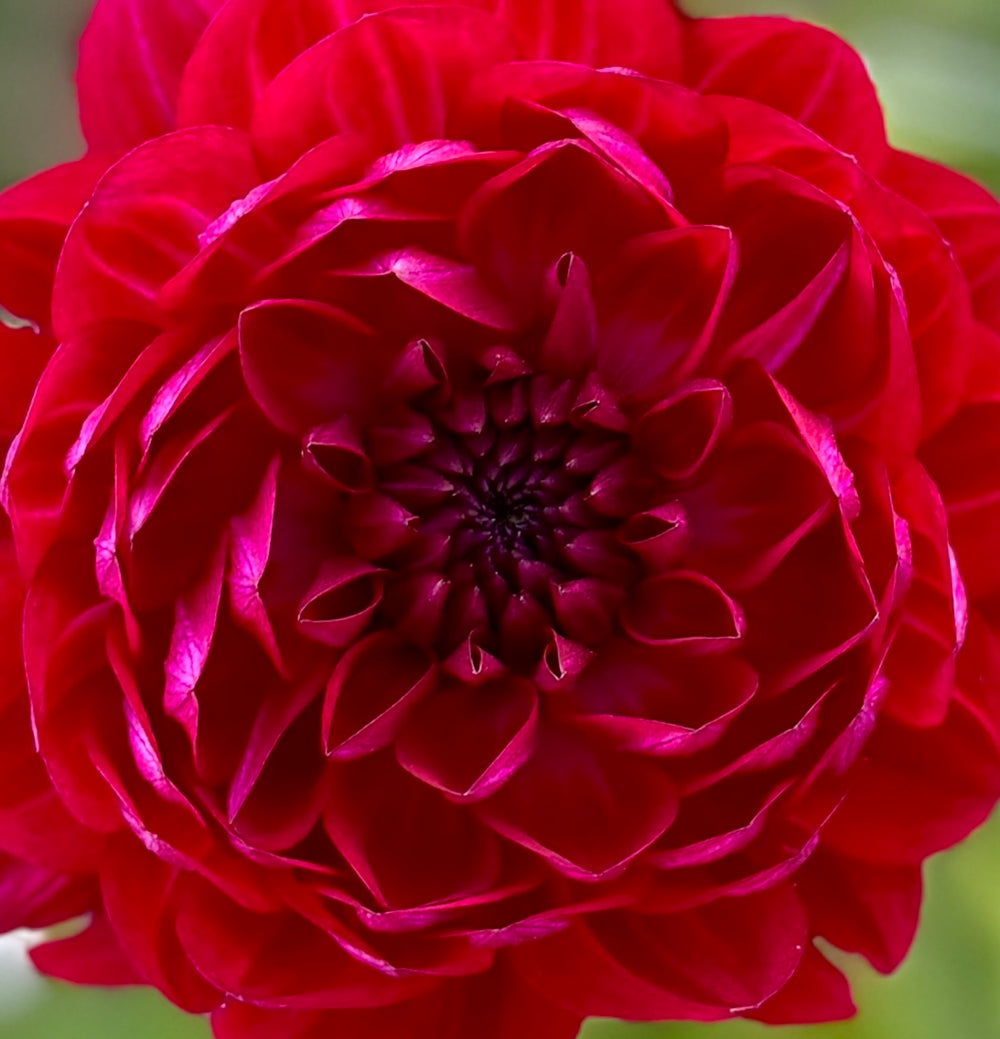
(500, 500)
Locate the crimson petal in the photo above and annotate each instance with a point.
(576, 970)
(409, 845)
(374, 686)
(336, 449)
(278, 958)
(469, 740)
(804, 71)
(683, 609)
(92, 957)
(678, 433)
(658, 536)
(138, 889)
(163, 194)
(355, 78)
(816, 993)
(520, 223)
(146, 44)
(863, 907)
(569, 787)
(305, 363)
(650, 339)
(341, 601)
(638, 34)
(969, 219)
(733, 953)
(492, 1005)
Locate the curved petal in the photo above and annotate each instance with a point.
(305, 363)
(249, 43)
(162, 195)
(650, 338)
(138, 890)
(658, 536)
(492, 1005)
(521, 222)
(678, 433)
(34, 218)
(469, 740)
(802, 70)
(941, 784)
(32, 896)
(527, 102)
(373, 688)
(94, 956)
(637, 34)
(250, 538)
(341, 601)
(816, 993)
(570, 786)
(278, 959)
(277, 715)
(968, 217)
(336, 450)
(195, 617)
(863, 907)
(389, 78)
(575, 970)
(450, 287)
(409, 845)
(692, 953)
(144, 44)
(963, 460)
(683, 609)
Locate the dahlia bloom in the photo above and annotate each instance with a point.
(502, 501)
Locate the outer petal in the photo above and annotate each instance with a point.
(637, 34)
(251, 41)
(861, 907)
(92, 957)
(801, 70)
(143, 224)
(132, 56)
(279, 958)
(733, 953)
(495, 1005)
(138, 894)
(34, 218)
(963, 460)
(390, 78)
(817, 992)
(917, 791)
(34, 824)
(31, 896)
(968, 217)
(676, 966)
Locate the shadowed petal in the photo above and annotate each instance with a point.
(374, 686)
(571, 786)
(142, 43)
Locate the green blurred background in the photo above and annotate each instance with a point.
(937, 66)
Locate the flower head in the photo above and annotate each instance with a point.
(501, 501)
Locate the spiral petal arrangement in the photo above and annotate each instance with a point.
(501, 511)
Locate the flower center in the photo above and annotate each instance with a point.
(507, 489)
(501, 493)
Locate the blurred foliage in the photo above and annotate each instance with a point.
(937, 67)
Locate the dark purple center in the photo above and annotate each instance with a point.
(503, 490)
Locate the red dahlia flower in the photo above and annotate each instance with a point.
(502, 502)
